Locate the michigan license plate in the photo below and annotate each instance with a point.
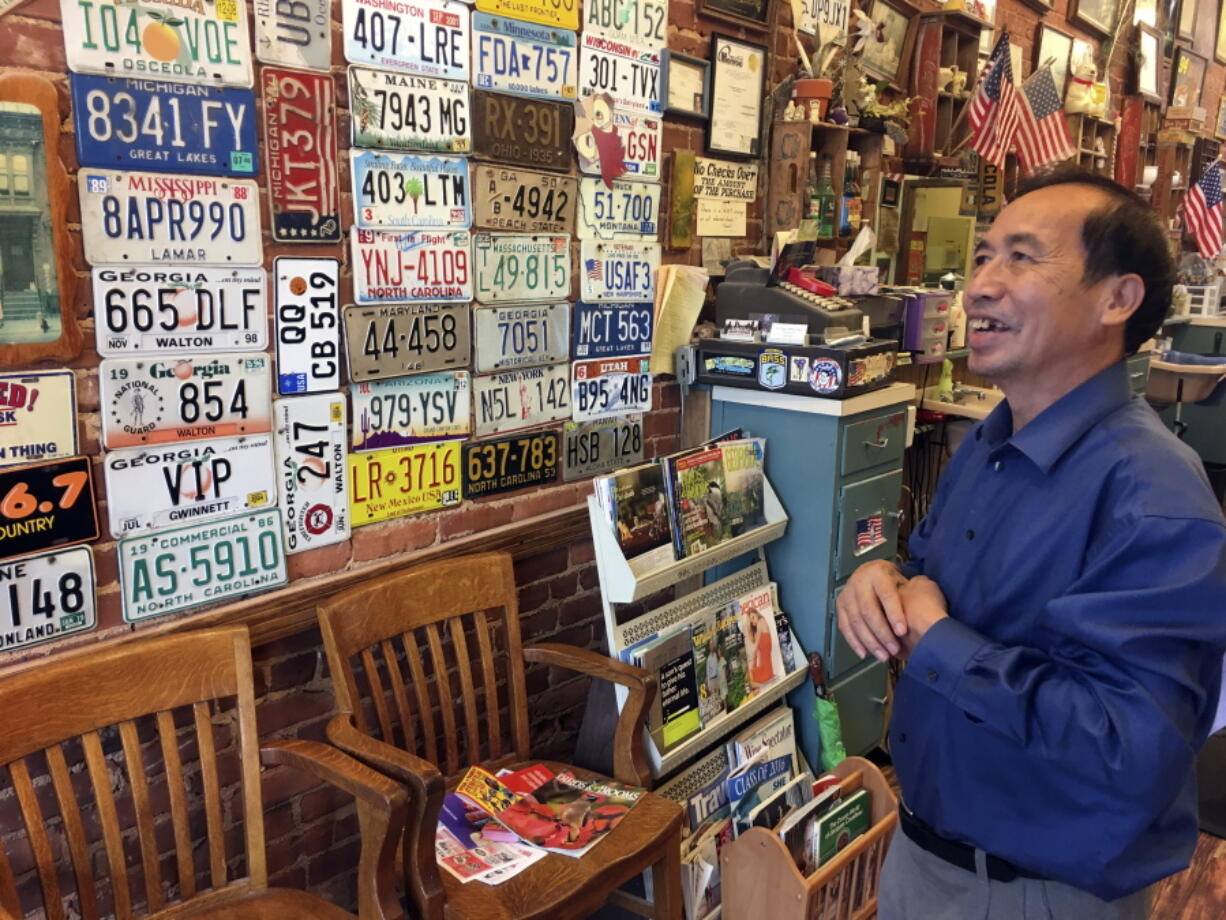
(411, 410)
(612, 330)
(46, 597)
(295, 34)
(522, 132)
(38, 416)
(595, 448)
(510, 464)
(420, 265)
(516, 267)
(399, 111)
(621, 271)
(312, 470)
(304, 192)
(628, 72)
(604, 388)
(520, 399)
(46, 504)
(392, 190)
(561, 13)
(520, 336)
(399, 481)
(640, 136)
(629, 210)
(516, 57)
(409, 338)
(428, 37)
(641, 22)
(523, 201)
(308, 324)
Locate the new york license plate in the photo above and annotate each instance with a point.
(308, 325)
(518, 267)
(295, 34)
(524, 201)
(399, 111)
(520, 399)
(628, 72)
(629, 210)
(421, 265)
(621, 271)
(399, 481)
(46, 504)
(409, 338)
(595, 448)
(38, 416)
(612, 330)
(522, 132)
(304, 192)
(312, 470)
(513, 56)
(509, 464)
(46, 597)
(392, 190)
(641, 22)
(561, 13)
(604, 388)
(521, 336)
(640, 136)
(411, 410)
(428, 37)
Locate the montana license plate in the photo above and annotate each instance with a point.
(400, 111)
(629, 210)
(628, 72)
(294, 34)
(621, 271)
(640, 136)
(423, 265)
(312, 470)
(304, 192)
(403, 480)
(523, 201)
(38, 416)
(308, 324)
(561, 13)
(520, 399)
(428, 37)
(522, 132)
(392, 190)
(509, 464)
(520, 267)
(516, 57)
(46, 597)
(407, 338)
(520, 336)
(641, 22)
(411, 410)
(612, 330)
(604, 388)
(595, 448)
(46, 504)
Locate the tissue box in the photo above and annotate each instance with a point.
(850, 279)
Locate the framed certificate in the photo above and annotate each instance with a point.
(738, 81)
(685, 84)
(751, 14)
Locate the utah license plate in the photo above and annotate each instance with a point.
(512, 56)
(621, 271)
(308, 324)
(46, 597)
(403, 480)
(528, 202)
(595, 448)
(38, 416)
(641, 22)
(628, 72)
(520, 336)
(304, 193)
(410, 410)
(522, 132)
(640, 135)
(393, 190)
(561, 13)
(409, 338)
(612, 330)
(629, 210)
(604, 388)
(520, 399)
(46, 504)
(295, 34)
(312, 470)
(429, 37)
(509, 464)
(399, 111)
(512, 266)
(418, 265)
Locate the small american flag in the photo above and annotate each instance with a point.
(1202, 210)
(868, 532)
(1042, 136)
(595, 268)
(993, 112)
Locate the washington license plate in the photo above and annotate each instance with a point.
(621, 271)
(308, 324)
(629, 210)
(411, 410)
(522, 132)
(516, 267)
(604, 388)
(38, 416)
(561, 13)
(46, 504)
(304, 192)
(520, 336)
(403, 480)
(421, 265)
(528, 202)
(612, 330)
(46, 597)
(393, 190)
(294, 34)
(399, 111)
(429, 37)
(640, 136)
(595, 448)
(312, 470)
(520, 399)
(410, 338)
(641, 22)
(628, 72)
(509, 464)
(513, 56)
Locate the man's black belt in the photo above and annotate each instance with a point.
(958, 854)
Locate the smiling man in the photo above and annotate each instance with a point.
(1063, 614)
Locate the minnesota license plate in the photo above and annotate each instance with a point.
(308, 324)
(304, 193)
(520, 336)
(629, 210)
(561, 13)
(595, 448)
(157, 401)
(621, 271)
(515, 267)
(312, 470)
(411, 410)
(150, 310)
(520, 399)
(641, 22)
(420, 265)
(393, 190)
(628, 72)
(612, 330)
(133, 217)
(46, 597)
(604, 388)
(399, 481)
(528, 202)
(46, 504)
(428, 37)
(509, 464)
(407, 338)
(295, 34)
(640, 136)
(522, 132)
(399, 111)
(38, 416)
(173, 570)
(513, 56)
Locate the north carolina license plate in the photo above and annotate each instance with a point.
(528, 202)
(46, 504)
(604, 388)
(640, 136)
(515, 267)
(522, 132)
(521, 399)
(172, 570)
(621, 271)
(392, 190)
(510, 464)
(38, 416)
(133, 217)
(595, 448)
(422, 265)
(307, 312)
(46, 597)
(151, 310)
(520, 336)
(157, 401)
(304, 193)
(312, 470)
(408, 338)
(411, 410)
(612, 330)
(163, 126)
(152, 487)
(403, 480)
(429, 37)
(628, 72)
(513, 56)
(561, 13)
(641, 22)
(294, 34)
(399, 111)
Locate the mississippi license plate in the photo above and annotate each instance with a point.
(420, 265)
(304, 192)
(629, 210)
(295, 34)
(604, 388)
(529, 202)
(513, 56)
(522, 132)
(46, 597)
(308, 324)
(429, 37)
(399, 111)
(134, 217)
(152, 487)
(38, 416)
(152, 401)
(628, 72)
(640, 136)
(173, 570)
(411, 410)
(46, 504)
(312, 470)
(408, 338)
(151, 310)
(520, 336)
(612, 330)
(595, 448)
(399, 481)
(509, 464)
(520, 399)
(641, 22)
(515, 267)
(620, 271)
(393, 190)
(561, 13)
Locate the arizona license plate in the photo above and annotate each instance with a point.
(529, 202)
(411, 410)
(46, 504)
(515, 267)
(612, 330)
(509, 464)
(513, 56)
(640, 135)
(621, 271)
(521, 336)
(152, 487)
(151, 401)
(304, 192)
(296, 34)
(641, 22)
(561, 13)
(522, 132)
(595, 448)
(308, 324)
(429, 37)
(46, 597)
(134, 217)
(408, 338)
(393, 190)
(172, 570)
(629, 210)
(399, 111)
(419, 265)
(628, 72)
(520, 399)
(603, 388)
(312, 470)
(38, 416)
(403, 480)
(151, 310)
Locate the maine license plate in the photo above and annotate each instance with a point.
(152, 311)
(608, 387)
(522, 132)
(620, 271)
(46, 504)
(529, 202)
(628, 72)
(294, 34)
(429, 37)
(38, 416)
(407, 338)
(514, 267)
(151, 401)
(393, 190)
(304, 192)
(133, 217)
(400, 111)
(612, 330)
(513, 56)
(163, 126)
(411, 410)
(508, 464)
(629, 210)
(595, 448)
(520, 336)
(640, 22)
(561, 13)
(640, 136)
(173, 570)
(46, 597)
(398, 481)
(308, 324)
(421, 265)
(521, 399)
(312, 470)
(152, 487)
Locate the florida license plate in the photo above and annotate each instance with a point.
(304, 193)
(307, 312)
(420, 265)
(596, 448)
(522, 132)
(398, 481)
(392, 190)
(629, 210)
(628, 72)
(409, 338)
(520, 336)
(604, 388)
(516, 57)
(641, 22)
(640, 136)
(400, 111)
(411, 410)
(46, 597)
(612, 330)
(518, 267)
(296, 34)
(520, 399)
(312, 470)
(561, 13)
(523, 201)
(38, 416)
(428, 37)
(46, 504)
(621, 271)
(509, 464)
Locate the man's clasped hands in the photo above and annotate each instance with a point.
(883, 613)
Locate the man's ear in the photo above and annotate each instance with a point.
(1122, 296)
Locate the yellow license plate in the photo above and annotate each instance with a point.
(564, 14)
(399, 481)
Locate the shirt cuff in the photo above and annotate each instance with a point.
(942, 656)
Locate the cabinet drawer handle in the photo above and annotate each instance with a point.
(879, 443)
(880, 701)
(896, 515)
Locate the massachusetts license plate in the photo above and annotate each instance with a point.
(642, 22)
(38, 416)
(152, 487)
(640, 136)
(428, 37)
(515, 267)
(522, 132)
(150, 310)
(133, 217)
(423, 265)
(46, 504)
(628, 72)
(399, 111)
(520, 399)
(411, 410)
(173, 570)
(307, 312)
(407, 338)
(629, 210)
(621, 271)
(529, 202)
(509, 464)
(561, 13)
(158, 401)
(312, 470)
(612, 330)
(393, 190)
(294, 34)
(513, 56)
(399, 481)
(304, 192)
(46, 597)
(595, 448)
(521, 336)
(604, 388)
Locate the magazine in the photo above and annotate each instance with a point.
(674, 714)
(699, 485)
(753, 783)
(744, 500)
(709, 669)
(762, 651)
(638, 509)
(462, 849)
(732, 650)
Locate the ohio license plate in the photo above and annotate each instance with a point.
(509, 464)
(522, 132)
(421, 265)
(296, 34)
(595, 448)
(520, 336)
(308, 324)
(520, 399)
(629, 210)
(393, 190)
(604, 388)
(312, 470)
(150, 310)
(513, 56)
(152, 401)
(38, 416)
(561, 13)
(399, 111)
(134, 217)
(429, 37)
(408, 338)
(172, 570)
(529, 202)
(46, 597)
(640, 135)
(304, 193)
(620, 271)
(515, 267)
(46, 504)
(399, 481)
(152, 487)
(411, 410)
(612, 330)
(628, 72)
(641, 22)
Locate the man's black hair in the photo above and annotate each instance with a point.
(1121, 237)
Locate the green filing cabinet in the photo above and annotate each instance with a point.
(1206, 432)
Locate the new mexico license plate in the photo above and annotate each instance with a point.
(295, 34)
(516, 267)
(528, 202)
(399, 111)
(641, 22)
(640, 135)
(561, 13)
(605, 388)
(411, 410)
(513, 56)
(620, 271)
(612, 330)
(409, 338)
(595, 448)
(393, 190)
(312, 470)
(46, 597)
(308, 324)
(520, 399)
(38, 416)
(509, 464)
(630, 210)
(522, 132)
(521, 336)
(304, 193)
(420, 265)
(628, 72)
(46, 504)
(403, 480)
(429, 37)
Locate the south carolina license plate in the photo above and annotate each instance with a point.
(561, 13)
(510, 464)
(308, 324)
(399, 111)
(38, 416)
(403, 480)
(409, 338)
(304, 193)
(312, 470)
(520, 399)
(521, 336)
(411, 410)
(46, 504)
(628, 72)
(514, 267)
(604, 388)
(513, 56)
(429, 37)
(621, 271)
(295, 34)
(641, 22)
(46, 597)
(595, 448)
(528, 202)
(421, 265)
(612, 330)
(393, 190)
(629, 210)
(640, 136)
(522, 132)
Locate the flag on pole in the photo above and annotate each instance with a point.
(1042, 136)
(1202, 211)
(993, 111)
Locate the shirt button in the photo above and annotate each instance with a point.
(998, 466)
(932, 677)
(970, 535)
(978, 433)
(902, 737)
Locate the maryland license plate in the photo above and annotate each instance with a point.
(629, 210)
(612, 330)
(595, 448)
(561, 13)
(519, 200)
(312, 470)
(411, 410)
(621, 271)
(307, 312)
(46, 597)
(520, 399)
(399, 481)
(408, 338)
(294, 34)
(642, 22)
(628, 72)
(304, 192)
(517, 267)
(604, 388)
(510, 464)
(522, 132)
(428, 37)
(399, 111)
(421, 265)
(392, 190)
(640, 136)
(513, 56)
(46, 504)
(38, 416)
(520, 336)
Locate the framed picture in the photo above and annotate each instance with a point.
(752, 14)
(1220, 130)
(1149, 63)
(1187, 78)
(1042, 6)
(686, 84)
(885, 59)
(1053, 45)
(1219, 46)
(738, 82)
(1096, 15)
(1186, 24)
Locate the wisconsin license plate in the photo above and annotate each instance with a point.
(515, 267)
(561, 13)
(399, 481)
(628, 72)
(393, 190)
(640, 136)
(522, 132)
(409, 338)
(46, 504)
(619, 271)
(411, 265)
(629, 210)
(529, 202)
(38, 416)
(510, 464)
(308, 325)
(604, 388)
(428, 37)
(641, 22)
(612, 330)
(312, 470)
(595, 448)
(521, 336)
(399, 111)
(411, 410)
(46, 597)
(513, 56)
(296, 34)
(304, 193)
(520, 399)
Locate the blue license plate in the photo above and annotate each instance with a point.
(611, 330)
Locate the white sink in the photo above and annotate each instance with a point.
(968, 401)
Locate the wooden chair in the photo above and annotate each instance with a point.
(116, 742)
(414, 694)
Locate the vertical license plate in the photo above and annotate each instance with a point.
(510, 464)
(46, 504)
(46, 597)
(308, 325)
(427, 37)
(38, 416)
(399, 111)
(628, 72)
(524, 201)
(400, 481)
(304, 192)
(513, 56)
(520, 336)
(641, 22)
(605, 388)
(640, 136)
(312, 470)
(612, 330)
(392, 190)
(519, 267)
(296, 34)
(628, 210)
(618, 271)
(595, 448)
(522, 132)
(561, 13)
(421, 265)
(411, 338)
(520, 399)
(411, 410)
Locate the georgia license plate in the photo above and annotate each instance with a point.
(308, 324)
(513, 56)
(561, 13)
(398, 111)
(399, 481)
(296, 34)
(46, 504)
(134, 217)
(407, 338)
(150, 401)
(393, 190)
(419, 265)
(528, 202)
(640, 136)
(46, 597)
(641, 22)
(515, 267)
(604, 388)
(628, 72)
(151, 311)
(509, 464)
(520, 336)
(620, 271)
(595, 448)
(410, 410)
(612, 330)
(522, 132)
(521, 399)
(173, 570)
(38, 416)
(312, 470)
(152, 487)
(304, 193)
(429, 37)
(629, 210)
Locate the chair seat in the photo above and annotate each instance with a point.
(272, 904)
